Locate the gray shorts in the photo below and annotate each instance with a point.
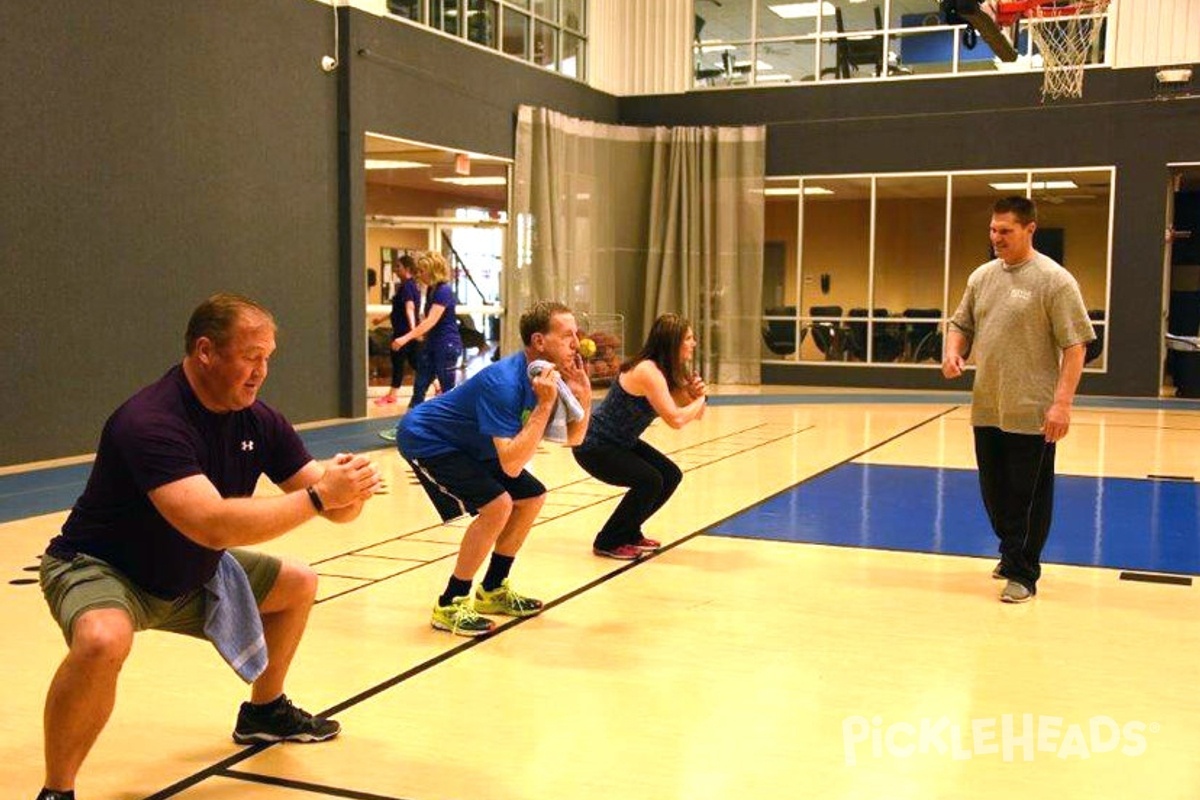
(83, 583)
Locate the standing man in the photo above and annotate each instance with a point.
(1026, 320)
(146, 545)
(469, 448)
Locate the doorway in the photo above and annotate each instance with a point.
(421, 198)
(1181, 301)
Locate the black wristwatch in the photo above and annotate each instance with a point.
(315, 498)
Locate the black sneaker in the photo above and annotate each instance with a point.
(281, 721)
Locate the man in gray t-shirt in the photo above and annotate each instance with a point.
(1024, 317)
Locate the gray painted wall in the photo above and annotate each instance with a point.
(156, 151)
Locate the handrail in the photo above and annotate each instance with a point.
(463, 265)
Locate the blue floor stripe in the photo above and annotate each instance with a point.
(42, 491)
(56, 488)
(1102, 522)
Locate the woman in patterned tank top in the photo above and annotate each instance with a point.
(654, 383)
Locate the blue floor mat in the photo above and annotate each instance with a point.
(1103, 522)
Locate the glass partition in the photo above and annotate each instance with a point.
(867, 269)
(781, 327)
(854, 40)
(910, 268)
(550, 33)
(835, 255)
(1073, 229)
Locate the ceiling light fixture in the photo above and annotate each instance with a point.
(476, 180)
(792, 191)
(386, 163)
(803, 10)
(1016, 186)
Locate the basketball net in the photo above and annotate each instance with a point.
(1066, 36)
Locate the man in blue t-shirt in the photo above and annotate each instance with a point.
(469, 448)
(147, 544)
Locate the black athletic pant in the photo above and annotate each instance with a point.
(1016, 477)
(651, 477)
(407, 354)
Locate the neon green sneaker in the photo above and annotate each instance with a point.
(505, 601)
(460, 618)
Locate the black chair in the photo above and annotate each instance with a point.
(887, 339)
(1095, 347)
(829, 337)
(470, 335)
(780, 334)
(923, 341)
(856, 335)
(854, 51)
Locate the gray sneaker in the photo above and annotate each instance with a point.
(996, 573)
(1015, 593)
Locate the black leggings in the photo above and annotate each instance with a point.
(405, 355)
(651, 477)
(1016, 477)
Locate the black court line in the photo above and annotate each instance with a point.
(1181, 478)
(384, 558)
(346, 577)
(1149, 577)
(304, 786)
(223, 767)
(541, 520)
(358, 550)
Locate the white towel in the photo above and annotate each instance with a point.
(567, 409)
(231, 619)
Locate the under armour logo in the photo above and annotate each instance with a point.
(247, 445)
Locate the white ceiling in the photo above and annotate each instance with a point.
(441, 164)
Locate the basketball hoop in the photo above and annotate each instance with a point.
(1065, 36)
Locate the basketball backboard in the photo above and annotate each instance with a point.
(988, 20)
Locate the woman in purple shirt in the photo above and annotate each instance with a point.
(443, 346)
(406, 309)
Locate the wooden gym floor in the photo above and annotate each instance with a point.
(843, 640)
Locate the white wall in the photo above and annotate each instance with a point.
(640, 46)
(1157, 32)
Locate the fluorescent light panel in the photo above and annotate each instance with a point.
(802, 10)
(1016, 186)
(793, 191)
(387, 163)
(476, 180)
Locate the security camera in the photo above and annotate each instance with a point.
(328, 63)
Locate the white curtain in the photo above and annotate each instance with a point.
(634, 222)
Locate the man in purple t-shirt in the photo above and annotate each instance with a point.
(147, 543)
